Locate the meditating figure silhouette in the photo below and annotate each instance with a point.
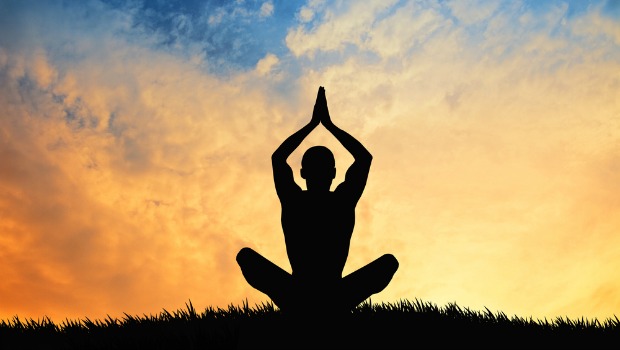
(318, 225)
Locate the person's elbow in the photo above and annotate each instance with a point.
(277, 157)
(365, 158)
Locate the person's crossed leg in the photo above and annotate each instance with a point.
(288, 295)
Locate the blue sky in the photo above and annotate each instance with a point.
(237, 34)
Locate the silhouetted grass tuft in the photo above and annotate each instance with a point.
(404, 324)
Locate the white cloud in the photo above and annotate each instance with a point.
(396, 34)
(266, 9)
(340, 26)
(473, 11)
(217, 17)
(596, 26)
(266, 64)
(306, 14)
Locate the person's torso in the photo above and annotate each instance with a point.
(317, 230)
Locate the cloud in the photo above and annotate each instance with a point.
(473, 11)
(493, 150)
(127, 170)
(265, 65)
(595, 25)
(224, 36)
(266, 9)
(345, 24)
(306, 13)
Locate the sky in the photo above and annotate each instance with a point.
(136, 136)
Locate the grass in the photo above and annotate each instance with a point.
(404, 324)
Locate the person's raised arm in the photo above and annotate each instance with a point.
(357, 150)
(282, 172)
(357, 174)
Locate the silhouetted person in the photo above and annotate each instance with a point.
(318, 225)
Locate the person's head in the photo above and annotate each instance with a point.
(318, 168)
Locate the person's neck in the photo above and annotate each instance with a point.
(318, 191)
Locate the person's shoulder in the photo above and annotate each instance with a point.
(340, 193)
(344, 195)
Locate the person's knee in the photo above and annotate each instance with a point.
(244, 255)
(390, 262)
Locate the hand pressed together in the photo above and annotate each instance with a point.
(320, 114)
